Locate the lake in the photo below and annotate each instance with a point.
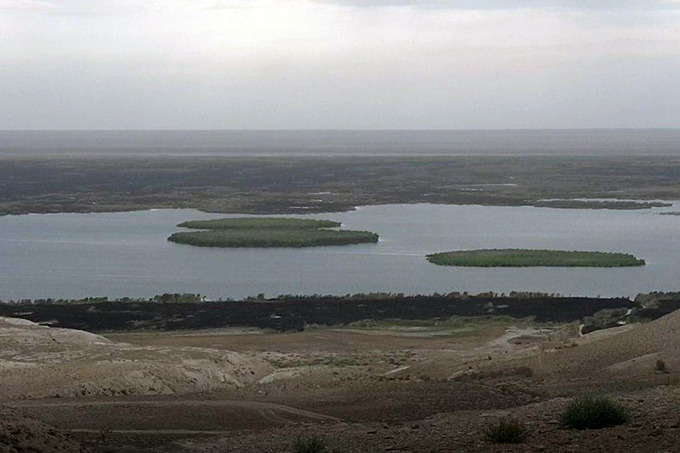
(127, 254)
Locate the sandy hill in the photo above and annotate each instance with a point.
(39, 361)
(629, 352)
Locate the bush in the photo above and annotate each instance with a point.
(593, 413)
(505, 432)
(660, 367)
(313, 444)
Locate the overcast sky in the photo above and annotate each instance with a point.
(339, 64)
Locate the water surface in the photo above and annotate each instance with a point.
(127, 254)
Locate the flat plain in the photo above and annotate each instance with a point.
(277, 185)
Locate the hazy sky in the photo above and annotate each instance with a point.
(338, 64)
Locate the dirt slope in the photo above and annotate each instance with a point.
(38, 361)
(19, 433)
(629, 353)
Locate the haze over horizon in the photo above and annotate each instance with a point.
(338, 64)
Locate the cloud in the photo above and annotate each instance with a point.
(518, 4)
(25, 5)
(341, 63)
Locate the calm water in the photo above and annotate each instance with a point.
(601, 142)
(126, 254)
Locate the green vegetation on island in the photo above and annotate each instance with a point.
(269, 232)
(533, 258)
(601, 204)
(241, 223)
(273, 238)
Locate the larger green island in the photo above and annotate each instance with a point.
(259, 223)
(533, 258)
(268, 232)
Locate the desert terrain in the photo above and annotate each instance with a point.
(364, 387)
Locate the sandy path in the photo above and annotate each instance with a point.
(142, 415)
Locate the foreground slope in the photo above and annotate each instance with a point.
(630, 352)
(399, 386)
(38, 361)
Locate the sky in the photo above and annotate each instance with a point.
(339, 64)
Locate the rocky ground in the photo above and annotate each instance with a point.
(408, 387)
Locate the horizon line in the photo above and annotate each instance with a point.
(508, 129)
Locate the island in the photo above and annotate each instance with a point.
(268, 232)
(601, 204)
(533, 258)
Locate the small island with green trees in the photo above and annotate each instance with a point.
(268, 232)
(533, 258)
(259, 223)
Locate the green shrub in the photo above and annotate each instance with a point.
(661, 367)
(312, 444)
(593, 413)
(505, 432)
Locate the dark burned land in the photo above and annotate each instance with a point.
(295, 313)
(297, 185)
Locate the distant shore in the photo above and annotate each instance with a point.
(304, 185)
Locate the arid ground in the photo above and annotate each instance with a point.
(382, 386)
